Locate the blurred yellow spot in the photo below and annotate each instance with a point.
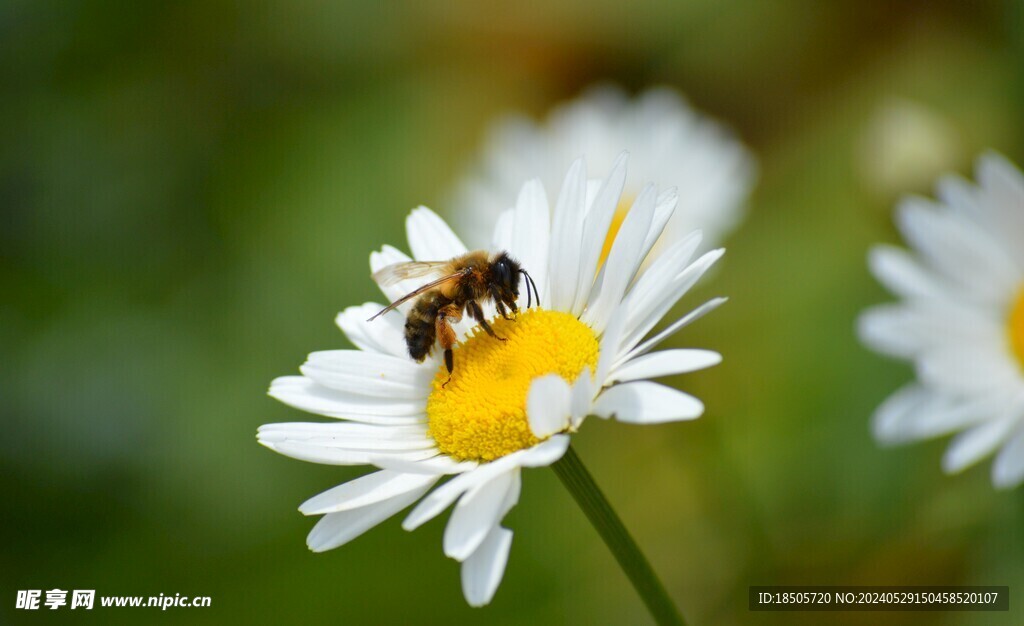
(1016, 323)
(481, 414)
(613, 229)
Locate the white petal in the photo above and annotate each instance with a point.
(349, 434)
(389, 255)
(972, 445)
(623, 261)
(547, 405)
(956, 247)
(669, 264)
(645, 314)
(302, 393)
(567, 237)
(968, 369)
(664, 209)
(440, 464)
(502, 239)
(611, 344)
(902, 274)
(665, 363)
(383, 335)
(483, 570)
(335, 529)
(647, 403)
(595, 230)
(544, 453)
(674, 327)
(430, 238)
(1002, 194)
(369, 374)
(582, 400)
(365, 490)
(1008, 468)
(890, 421)
(530, 233)
(329, 455)
(477, 512)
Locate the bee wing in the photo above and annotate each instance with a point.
(391, 274)
(413, 294)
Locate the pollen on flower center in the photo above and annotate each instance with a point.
(481, 414)
(1016, 328)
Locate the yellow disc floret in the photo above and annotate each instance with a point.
(1016, 328)
(480, 414)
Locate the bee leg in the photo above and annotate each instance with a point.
(498, 304)
(449, 361)
(446, 335)
(478, 314)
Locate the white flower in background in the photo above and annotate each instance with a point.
(960, 320)
(667, 140)
(511, 404)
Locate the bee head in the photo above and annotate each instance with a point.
(506, 277)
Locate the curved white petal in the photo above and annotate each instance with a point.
(430, 238)
(544, 453)
(366, 490)
(437, 465)
(595, 229)
(902, 274)
(330, 455)
(645, 313)
(957, 248)
(968, 368)
(665, 363)
(582, 399)
(972, 445)
(336, 529)
(547, 405)
(483, 570)
(384, 335)
(369, 374)
(530, 234)
(647, 403)
(477, 512)
(1008, 468)
(389, 255)
(672, 328)
(567, 237)
(305, 394)
(624, 260)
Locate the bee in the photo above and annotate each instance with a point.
(463, 283)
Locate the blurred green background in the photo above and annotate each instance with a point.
(189, 192)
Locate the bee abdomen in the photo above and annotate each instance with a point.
(419, 338)
(420, 332)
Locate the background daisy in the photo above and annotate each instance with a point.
(669, 142)
(510, 404)
(960, 320)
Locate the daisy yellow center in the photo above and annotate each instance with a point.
(1016, 324)
(613, 229)
(480, 414)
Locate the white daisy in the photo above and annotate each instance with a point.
(511, 404)
(668, 142)
(960, 320)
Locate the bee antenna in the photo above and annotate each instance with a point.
(529, 283)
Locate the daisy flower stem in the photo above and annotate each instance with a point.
(588, 495)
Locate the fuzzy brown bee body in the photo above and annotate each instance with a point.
(465, 282)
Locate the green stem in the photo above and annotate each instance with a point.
(585, 491)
